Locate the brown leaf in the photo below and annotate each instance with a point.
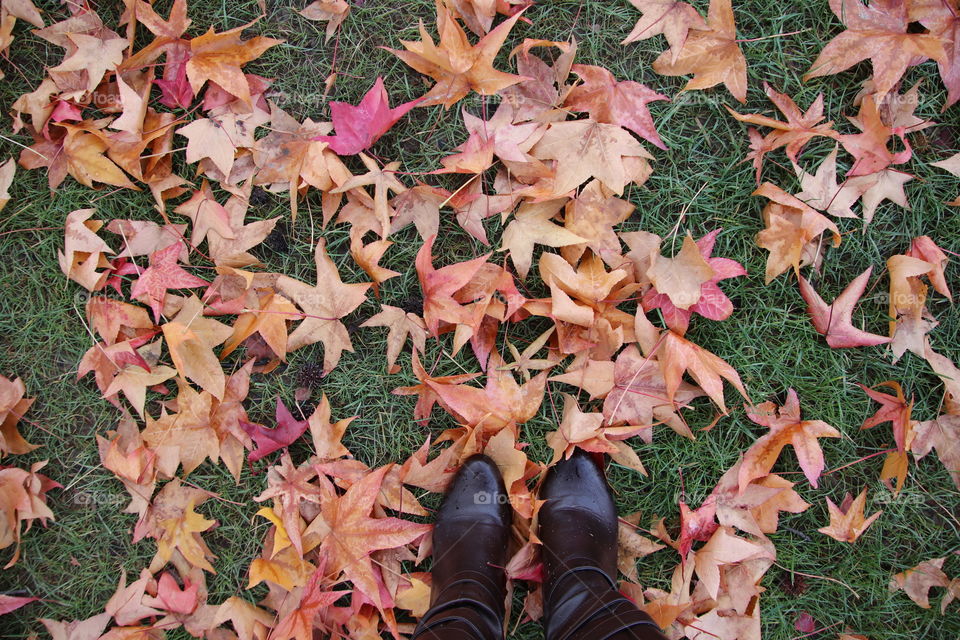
(456, 65)
(847, 522)
(879, 32)
(323, 304)
(712, 55)
(786, 427)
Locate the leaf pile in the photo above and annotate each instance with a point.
(185, 316)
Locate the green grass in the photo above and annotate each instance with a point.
(75, 562)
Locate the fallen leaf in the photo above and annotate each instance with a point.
(835, 321)
(456, 65)
(847, 522)
(288, 430)
(878, 32)
(673, 19)
(323, 305)
(358, 127)
(712, 55)
(786, 427)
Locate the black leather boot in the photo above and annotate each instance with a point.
(578, 528)
(469, 554)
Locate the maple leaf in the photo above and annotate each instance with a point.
(402, 325)
(358, 127)
(299, 622)
(878, 32)
(673, 19)
(291, 154)
(218, 139)
(942, 434)
(710, 301)
(792, 231)
(924, 248)
(419, 205)
(440, 285)
(269, 320)
(941, 18)
(326, 434)
(162, 274)
(90, 629)
(723, 549)
(696, 525)
(79, 153)
(83, 250)
(502, 403)
(323, 306)
(498, 136)
(382, 180)
(537, 97)
(596, 377)
(712, 55)
(613, 102)
(425, 390)
(134, 380)
(12, 408)
(189, 432)
(585, 149)
(12, 603)
(526, 362)
(288, 430)
(631, 546)
(756, 509)
(894, 409)
(352, 534)
(821, 191)
(578, 429)
(217, 57)
(794, 133)
(786, 427)
(910, 320)
(677, 355)
(457, 66)
(916, 582)
(847, 522)
(869, 147)
(172, 521)
(289, 486)
(592, 215)
(333, 12)
(249, 621)
(94, 55)
(531, 225)
(835, 321)
(7, 172)
(24, 500)
(639, 395)
(191, 338)
(125, 605)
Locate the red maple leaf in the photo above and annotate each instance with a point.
(713, 303)
(288, 429)
(835, 321)
(162, 274)
(358, 127)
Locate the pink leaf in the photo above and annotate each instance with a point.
(358, 127)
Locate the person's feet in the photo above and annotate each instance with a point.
(470, 540)
(578, 529)
(578, 521)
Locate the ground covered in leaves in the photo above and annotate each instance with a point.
(718, 286)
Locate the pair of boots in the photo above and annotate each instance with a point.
(578, 529)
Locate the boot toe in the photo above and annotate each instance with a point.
(578, 482)
(477, 492)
